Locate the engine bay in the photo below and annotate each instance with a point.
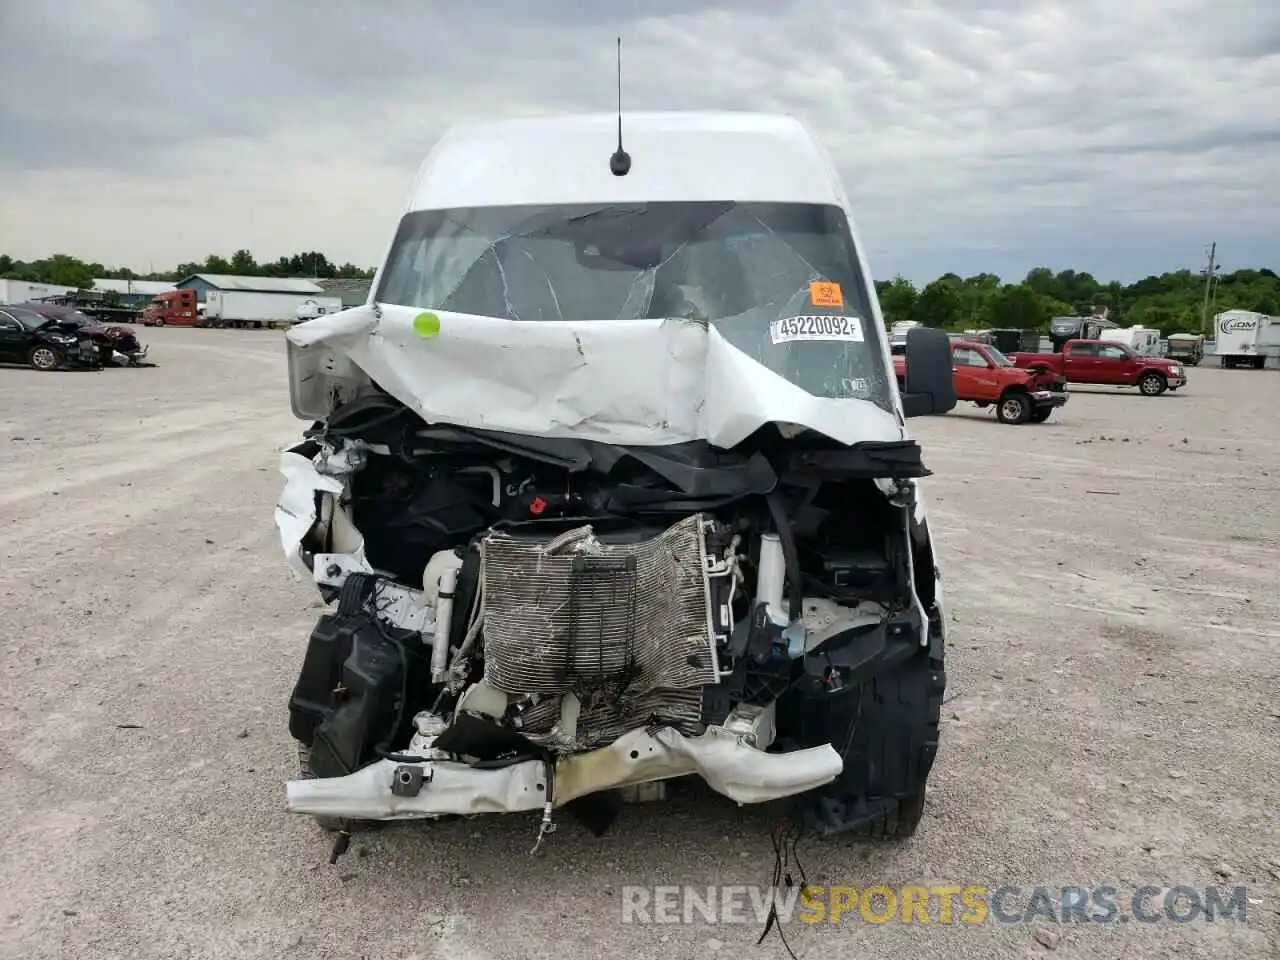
(501, 602)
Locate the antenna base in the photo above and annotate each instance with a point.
(620, 163)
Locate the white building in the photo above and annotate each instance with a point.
(20, 291)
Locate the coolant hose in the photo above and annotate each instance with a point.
(790, 555)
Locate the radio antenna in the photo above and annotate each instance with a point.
(620, 162)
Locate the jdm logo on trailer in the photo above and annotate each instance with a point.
(1238, 324)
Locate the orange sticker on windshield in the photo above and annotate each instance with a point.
(824, 294)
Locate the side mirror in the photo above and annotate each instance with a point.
(930, 388)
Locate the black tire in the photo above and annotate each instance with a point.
(1152, 384)
(1041, 415)
(900, 823)
(1260, 363)
(1014, 407)
(44, 357)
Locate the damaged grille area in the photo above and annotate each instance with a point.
(624, 628)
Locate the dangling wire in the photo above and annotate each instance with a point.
(785, 840)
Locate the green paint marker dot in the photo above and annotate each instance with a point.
(426, 325)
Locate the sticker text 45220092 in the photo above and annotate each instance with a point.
(790, 329)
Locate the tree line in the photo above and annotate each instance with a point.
(67, 271)
(1171, 302)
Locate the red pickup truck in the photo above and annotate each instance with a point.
(1108, 364)
(985, 376)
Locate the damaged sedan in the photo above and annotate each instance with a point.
(114, 345)
(610, 483)
(43, 343)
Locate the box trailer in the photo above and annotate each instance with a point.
(239, 308)
(1244, 336)
(1143, 341)
(1185, 347)
(313, 307)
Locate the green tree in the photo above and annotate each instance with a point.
(1043, 281)
(67, 271)
(897, 299)
(1017, 305)
(939, 303)
(243, 264)
(976, 295)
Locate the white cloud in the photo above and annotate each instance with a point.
(971, 135)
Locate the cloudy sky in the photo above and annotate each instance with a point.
(972, 135)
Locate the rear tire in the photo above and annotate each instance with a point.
(1014, 407)
(1152, 385)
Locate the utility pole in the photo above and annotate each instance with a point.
(1208, 280)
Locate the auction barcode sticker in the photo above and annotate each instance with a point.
(790, 329)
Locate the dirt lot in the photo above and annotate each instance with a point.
(1113, 718)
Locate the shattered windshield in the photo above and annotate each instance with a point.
(998, 358)
(780, 281)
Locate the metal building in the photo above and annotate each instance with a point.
(132, 293)
(202, 283)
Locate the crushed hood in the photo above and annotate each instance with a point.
(626, 382)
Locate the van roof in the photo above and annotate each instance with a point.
(675, 156)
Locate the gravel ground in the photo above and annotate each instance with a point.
(1113, 713)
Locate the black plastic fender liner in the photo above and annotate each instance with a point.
(856, 653)
(347, 699)
(312, 699)
(888, 726)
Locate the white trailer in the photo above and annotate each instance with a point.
(241, 308)
(1243, 337)
(20, 291)
(313, 307)
(1144, 341)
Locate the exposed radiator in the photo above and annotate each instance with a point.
(624, 627)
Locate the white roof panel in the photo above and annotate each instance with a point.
(148, 287)
(223, 281)
(675, 156)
